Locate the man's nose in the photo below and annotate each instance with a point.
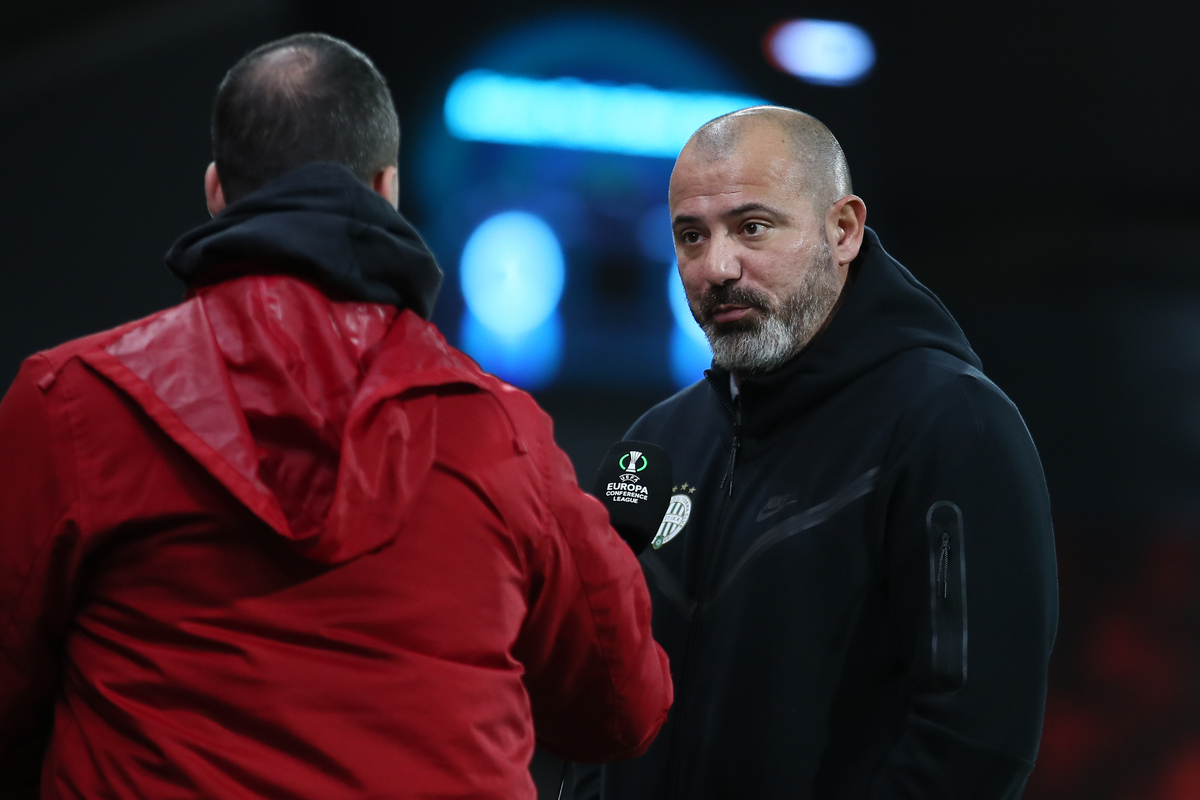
(722, 263)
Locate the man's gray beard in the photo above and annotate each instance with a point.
(768, 339)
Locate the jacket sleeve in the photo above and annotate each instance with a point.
(599, 684)
(37, 555)
(973, 587)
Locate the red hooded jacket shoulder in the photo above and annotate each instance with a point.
(268, 545)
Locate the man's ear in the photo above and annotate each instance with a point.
(386, 184)
(213, 192)
(845, 225)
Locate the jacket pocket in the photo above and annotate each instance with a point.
(948, 596)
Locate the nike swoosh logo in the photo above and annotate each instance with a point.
(764, 514)
(860, 487)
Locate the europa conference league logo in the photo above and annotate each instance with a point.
(627, 488)
(629, 463)
(676, 517)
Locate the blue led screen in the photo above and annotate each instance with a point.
(544, 181)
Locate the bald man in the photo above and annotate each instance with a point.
(856, 584)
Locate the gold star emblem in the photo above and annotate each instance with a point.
(684, 486)
(692, 490)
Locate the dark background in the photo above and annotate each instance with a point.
(1035, 164)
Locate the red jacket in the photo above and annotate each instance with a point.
(266, 545)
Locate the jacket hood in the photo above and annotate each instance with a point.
(320, 417)
(320, 223)
(883, 311)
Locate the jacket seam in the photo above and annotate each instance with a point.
(513, 540)
(612, 687)
(47, 536)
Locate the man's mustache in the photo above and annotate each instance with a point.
(732, 295)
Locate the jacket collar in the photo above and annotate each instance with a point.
(320, 223)
(883, 311)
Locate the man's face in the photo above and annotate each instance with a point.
(752, 252)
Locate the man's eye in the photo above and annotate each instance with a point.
(753, 228)
(689, 237)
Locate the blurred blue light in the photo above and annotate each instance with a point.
(689, 358)
(822, 51)
(680, 309)
(530, 359)
(512, 273)
(631, 119)
(690, 353)
(654, 233)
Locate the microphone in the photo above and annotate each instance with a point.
(634, 483)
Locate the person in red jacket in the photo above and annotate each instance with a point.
(281, 540)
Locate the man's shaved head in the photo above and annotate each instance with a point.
(823, 168)
(309, 97)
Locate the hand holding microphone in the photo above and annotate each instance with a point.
(634, 483)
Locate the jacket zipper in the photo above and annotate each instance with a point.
(674, 767)
(943, 577)
(733, 451)
(948, 601)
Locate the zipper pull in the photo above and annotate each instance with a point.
(732, 463)
(944, 565)
(733, 450)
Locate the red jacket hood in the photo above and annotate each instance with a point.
(284, 397)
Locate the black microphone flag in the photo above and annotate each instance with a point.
(634, 483)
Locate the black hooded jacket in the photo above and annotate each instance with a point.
(863, 600)
(320, 223)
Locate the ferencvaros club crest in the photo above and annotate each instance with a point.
(676, 517)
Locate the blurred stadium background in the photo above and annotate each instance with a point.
(1036, 164)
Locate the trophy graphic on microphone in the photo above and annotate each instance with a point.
(629, 463)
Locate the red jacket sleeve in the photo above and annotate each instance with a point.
(38, 556)
(599, 684)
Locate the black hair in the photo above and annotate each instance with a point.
(308, 97)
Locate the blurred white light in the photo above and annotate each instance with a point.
(530, 359)
(822, 51)
(690, 353)
(631, 119)
(512, 273)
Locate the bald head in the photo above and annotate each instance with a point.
(822, 169)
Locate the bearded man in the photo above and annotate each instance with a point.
(856, 585)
